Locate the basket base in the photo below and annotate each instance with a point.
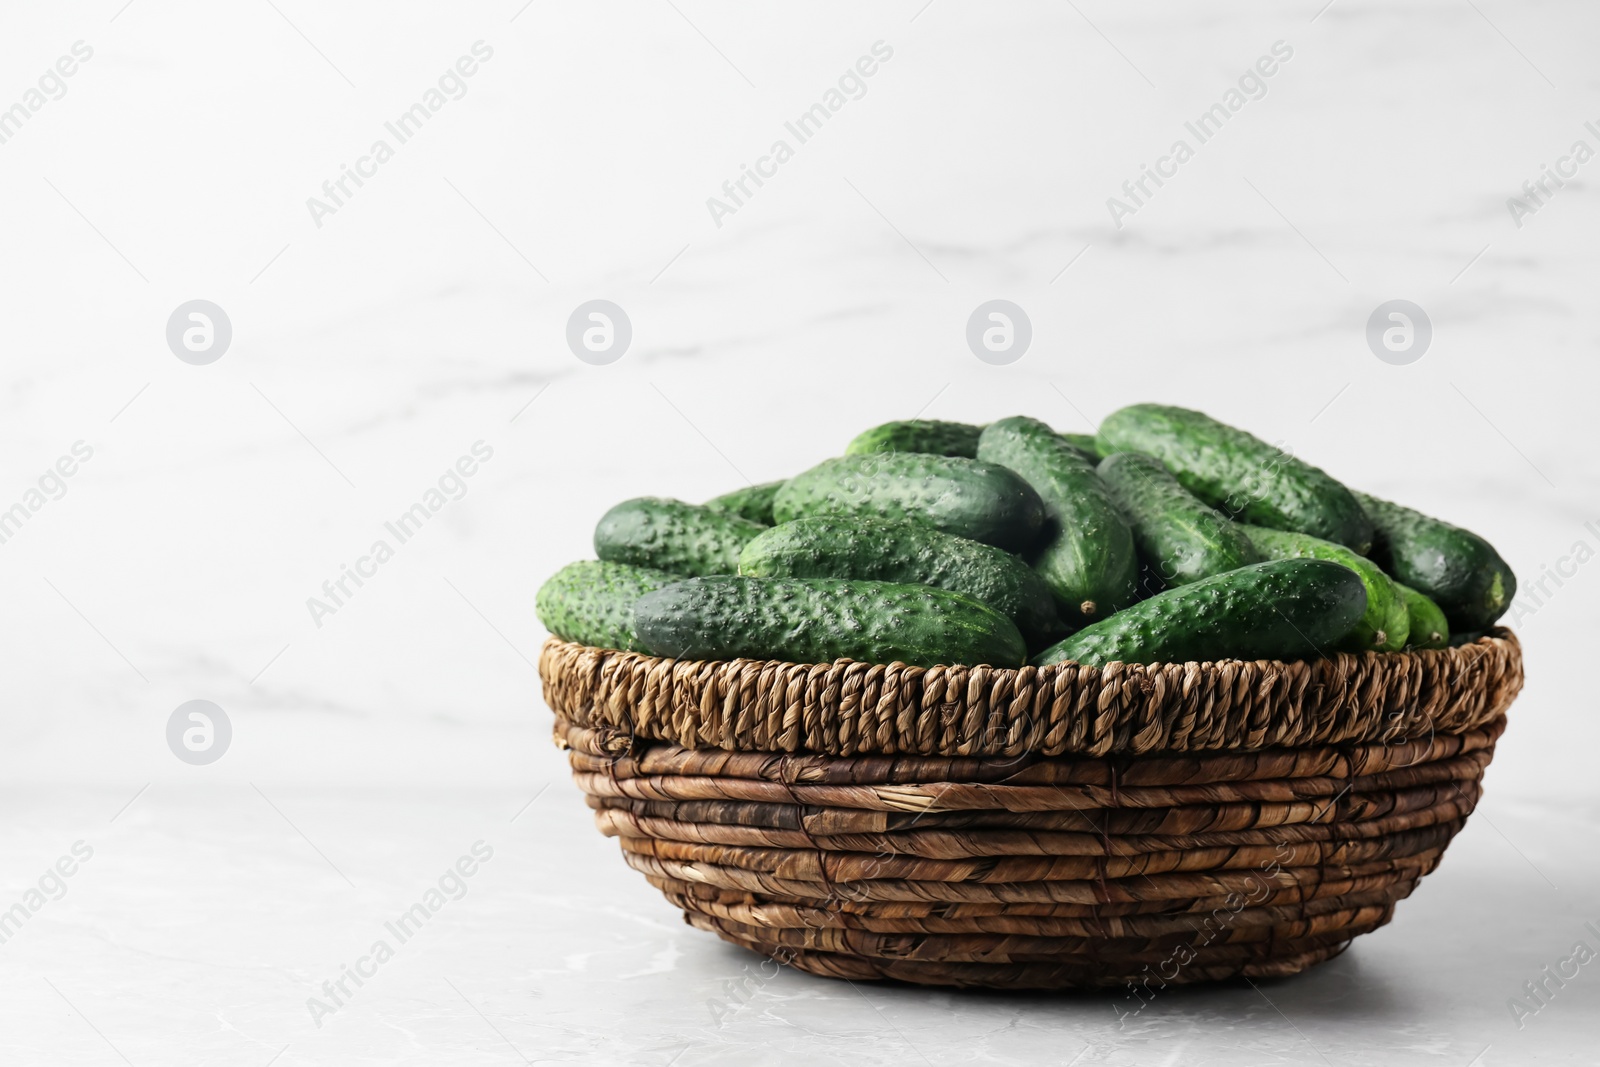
(1033, 976)
(1052, 873)
(1010, 962)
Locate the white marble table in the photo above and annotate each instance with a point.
(376, 344)
(205, 923)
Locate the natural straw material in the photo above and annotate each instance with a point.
(1211, 820)
(848, 709)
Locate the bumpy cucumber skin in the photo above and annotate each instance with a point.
(1429, 628)
(591, 602)
(1085, 443)
(1386, 624)
(918, 435)
(753, 502)
(1241, 474)
(1181, 538)
(669, 535)
(1087, 554)
(966, 497)
(1455, 568)
(819, 620)
(1283, 610)
(886, 550)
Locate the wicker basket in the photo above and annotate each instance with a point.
(1049, 827)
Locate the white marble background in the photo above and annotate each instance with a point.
(428, 313)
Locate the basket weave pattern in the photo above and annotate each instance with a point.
(1040, 827)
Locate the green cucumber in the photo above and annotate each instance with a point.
(888, 550)
(966, 497)
(1429, 628)
(669, 535)
(1087, 555)
(591, 602)
(1086, 444)
(1283, 609)
(1180, 538)
(753, 502)
(1241, 474)
(1386, 624)
(819, 620)
(918, 435)
(1455, 568)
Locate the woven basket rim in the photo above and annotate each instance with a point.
(1491, 636)
(848, 708)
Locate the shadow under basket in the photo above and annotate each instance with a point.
(1042, 827)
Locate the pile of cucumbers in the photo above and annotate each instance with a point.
(1167, 537)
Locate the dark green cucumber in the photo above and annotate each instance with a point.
(1087, 555)
(888, 550)
(819, 620)
(669, 535)
(1283, 609)
(1455, 568)
(918, 435)
(1386, 624)
(1180, 538)
(753, 502)
(591, 602)
(965, 497)
(1241, 474)
(1429, 628)
(1085, 443)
